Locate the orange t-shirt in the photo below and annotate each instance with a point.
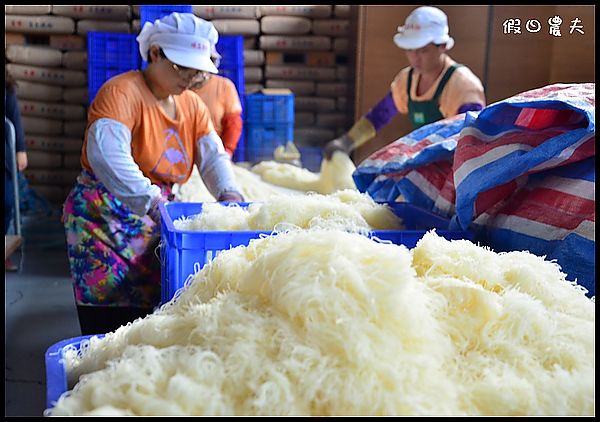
(221, 97)
(163, 148)
(463, 87)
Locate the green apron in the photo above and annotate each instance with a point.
(424, 112)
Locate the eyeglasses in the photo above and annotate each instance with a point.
(189, 73)
(186, 72)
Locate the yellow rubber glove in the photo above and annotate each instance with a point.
(360, 133)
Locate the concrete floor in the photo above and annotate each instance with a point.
(39, 311)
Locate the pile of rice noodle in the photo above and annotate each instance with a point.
(324, 322)
(347, 209)
(252, 187)
(334, 175)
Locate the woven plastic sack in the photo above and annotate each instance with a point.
(520, 174)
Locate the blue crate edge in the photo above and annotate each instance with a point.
(56, 376)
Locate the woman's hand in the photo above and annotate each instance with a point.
(344, 144)
(230, 197)
(154, 210)
(21, 160)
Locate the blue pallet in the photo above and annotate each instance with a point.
(311, 157)
(183, 252)
(261, 108)
(56, 375)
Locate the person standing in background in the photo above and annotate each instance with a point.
(432, 88)
(145, 132)
(221, 97)
(11, 108)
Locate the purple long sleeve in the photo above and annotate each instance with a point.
(382, 113)
(469, 107)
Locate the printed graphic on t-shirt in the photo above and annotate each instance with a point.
(174, 163)
(419, 117)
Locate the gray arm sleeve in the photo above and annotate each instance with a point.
(109, 155)
(214, 165)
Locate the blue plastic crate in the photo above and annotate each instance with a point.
(114, 48)
(236, 75)
(256, 155)
(240, 152)
(183, 252)
(56, 375)
(231, 49)
(109, 54)
(261, 108)
(151, 12)
(262, 139)
(311, 157)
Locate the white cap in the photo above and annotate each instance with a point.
(423, 26)
(185, 39)
(213, 38)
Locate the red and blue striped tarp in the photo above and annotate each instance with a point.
(520, 173)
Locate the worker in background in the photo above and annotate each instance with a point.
(433, 87)
(11, 109)
(12, 152)
(221, 97)
(145, 131)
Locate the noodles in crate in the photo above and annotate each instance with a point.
(345, 210)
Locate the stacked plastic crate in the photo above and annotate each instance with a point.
(269, 123)
(110, 54)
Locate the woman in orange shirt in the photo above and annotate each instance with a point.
(145, 131)
(221, 97)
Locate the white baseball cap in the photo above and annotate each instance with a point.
(185, 39)
(424, 25)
